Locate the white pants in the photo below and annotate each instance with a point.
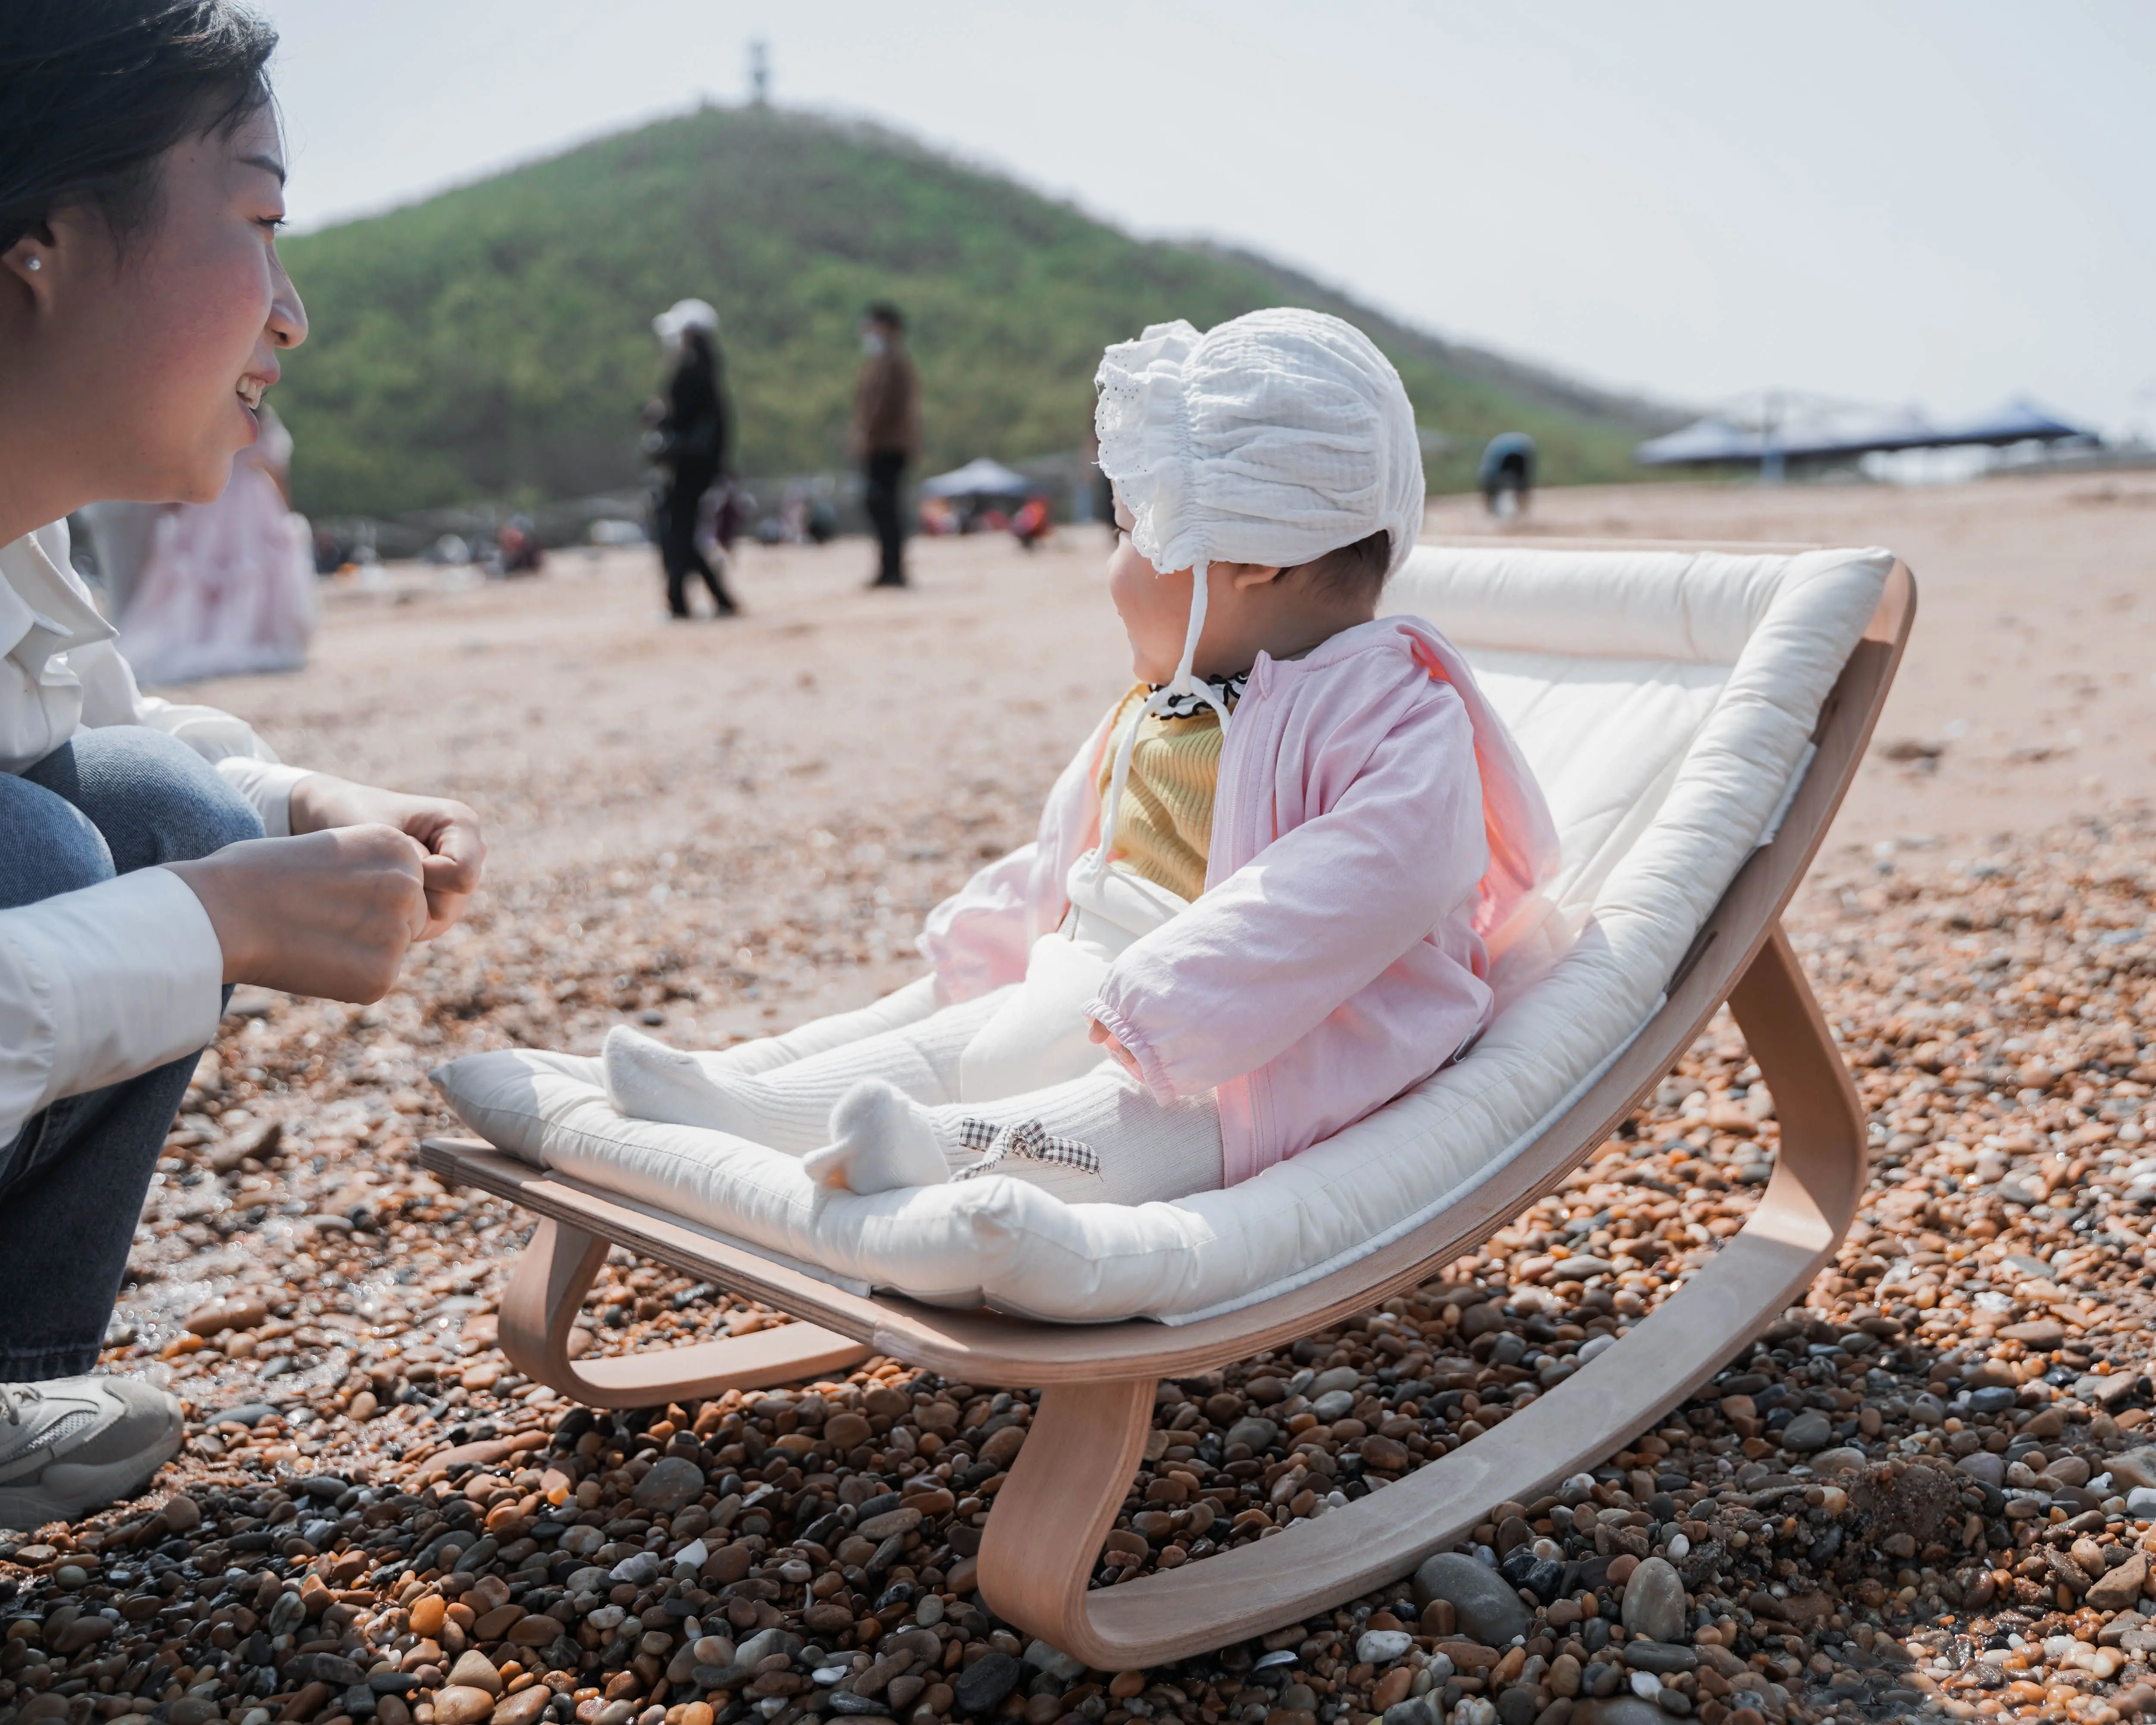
(1017, 1057)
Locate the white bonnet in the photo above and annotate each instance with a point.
(1272, 439)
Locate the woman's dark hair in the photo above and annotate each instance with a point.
(884, 312)
(92, 92)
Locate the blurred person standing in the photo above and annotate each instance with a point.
(227, 588)
(886, 435)
(691, 443)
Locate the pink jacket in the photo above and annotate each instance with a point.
(1374, 828)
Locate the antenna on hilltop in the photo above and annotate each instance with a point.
(759, 73)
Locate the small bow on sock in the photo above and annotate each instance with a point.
(1029, 1139)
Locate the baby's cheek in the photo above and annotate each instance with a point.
(1138, 601)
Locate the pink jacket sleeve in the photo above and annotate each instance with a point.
(1264, 956)
(978, 939)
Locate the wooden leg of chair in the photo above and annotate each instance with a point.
(1056, 1507)
(539, 1311)
(1070, 1477)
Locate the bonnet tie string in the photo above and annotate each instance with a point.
(1182, 685)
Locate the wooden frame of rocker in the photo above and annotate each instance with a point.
(1097, 1381)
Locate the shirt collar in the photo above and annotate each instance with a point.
(38, 597)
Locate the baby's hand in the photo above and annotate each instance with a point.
(1098, 1032)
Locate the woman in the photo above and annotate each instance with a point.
(141, 311)
(691, 445)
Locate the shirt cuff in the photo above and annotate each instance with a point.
(268, 785)
(127, 975)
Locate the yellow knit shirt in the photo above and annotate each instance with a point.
(1164, 827)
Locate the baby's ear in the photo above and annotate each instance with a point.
(1249, 577)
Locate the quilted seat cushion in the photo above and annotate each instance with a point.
(1665, 701)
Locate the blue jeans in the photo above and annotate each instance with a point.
(73, 1180)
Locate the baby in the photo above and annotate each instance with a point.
(1263, 896)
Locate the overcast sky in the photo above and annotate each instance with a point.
(1935, 203)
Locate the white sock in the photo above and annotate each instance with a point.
(1099, 1139)
(648, 1081)
(789, 1108)
(882, 1139)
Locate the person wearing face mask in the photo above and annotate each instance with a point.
(155, 854)
(886, 438)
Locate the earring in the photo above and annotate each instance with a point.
(34, 263)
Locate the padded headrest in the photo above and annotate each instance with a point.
(1698, 607)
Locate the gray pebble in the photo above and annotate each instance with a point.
(1622, 1710)
(673, 1482)
(644, 1566)
(1382, 1646)
(1055, 1662)
(983, 1685)
(1489, 1610)
(1259, 1434)
(1654, 1603)
(1984, 1467)
(1660, 1656)
(1809, 1430)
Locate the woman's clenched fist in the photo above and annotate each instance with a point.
(328, 914)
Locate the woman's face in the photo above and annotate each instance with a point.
(166, 342)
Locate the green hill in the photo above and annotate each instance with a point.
(494, 342)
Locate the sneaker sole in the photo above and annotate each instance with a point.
(66, 1491)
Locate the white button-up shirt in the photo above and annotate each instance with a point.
(102, 984)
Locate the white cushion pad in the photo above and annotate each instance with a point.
(1665, 701)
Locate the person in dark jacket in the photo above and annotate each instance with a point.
(691, 446)
(1508, 473)
(886, 435)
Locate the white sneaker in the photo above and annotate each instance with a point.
(69, 1445)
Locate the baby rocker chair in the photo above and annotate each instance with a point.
(1695, 717)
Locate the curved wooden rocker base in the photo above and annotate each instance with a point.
(539, 1312)
(1069, 1482)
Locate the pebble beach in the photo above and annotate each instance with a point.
(1928, 1490)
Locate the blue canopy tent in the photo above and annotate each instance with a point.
(1824, 432)
(980, 478)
